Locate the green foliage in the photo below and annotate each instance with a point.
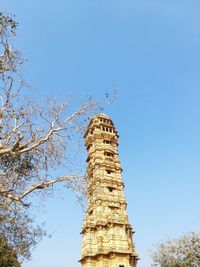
(178, 252)
(18, 228)
(22, 165)
(8, 257)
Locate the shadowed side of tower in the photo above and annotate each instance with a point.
(106, 232)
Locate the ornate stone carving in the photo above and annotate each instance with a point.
(110, 243)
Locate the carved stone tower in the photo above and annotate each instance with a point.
(107, 234)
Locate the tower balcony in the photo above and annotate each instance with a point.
(107, 250)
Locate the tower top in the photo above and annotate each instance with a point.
(102, 115)
(100, 120)
(99, 116)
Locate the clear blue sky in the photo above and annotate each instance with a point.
(150, 51)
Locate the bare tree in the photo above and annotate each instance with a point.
(178, 252)
(35, 140)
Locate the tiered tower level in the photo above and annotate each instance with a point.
(107, 234)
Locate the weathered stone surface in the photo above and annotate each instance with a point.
(107, 234)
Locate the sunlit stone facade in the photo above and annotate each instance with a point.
(106, 232)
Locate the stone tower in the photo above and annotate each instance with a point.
(107, 234)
